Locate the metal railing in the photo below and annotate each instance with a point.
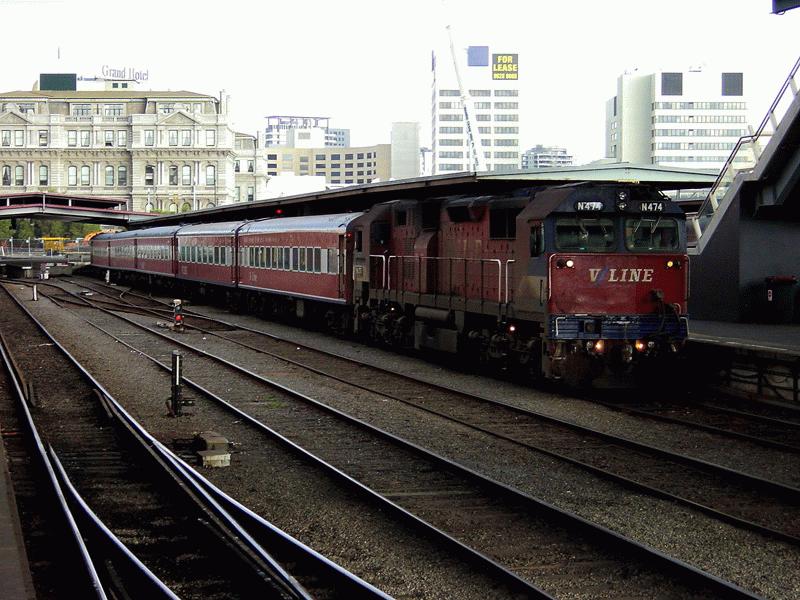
(746, 153)
(438, 281)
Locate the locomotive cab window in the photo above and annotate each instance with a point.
(585, 235)
(651, 234)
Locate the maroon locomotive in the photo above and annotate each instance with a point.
(569, 282)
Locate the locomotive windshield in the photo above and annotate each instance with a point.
(651, 234)
(585, 235)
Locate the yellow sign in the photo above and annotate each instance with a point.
(505, 66)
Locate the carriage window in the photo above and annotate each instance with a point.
(216, 254)
(333, 261)
(400, 217)
(585, 235)
(302, 266)
(317, 260)
(537, 239)
(293, 265)
(651, 234)
(285, 258)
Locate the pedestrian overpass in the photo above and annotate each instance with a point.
(65, 207)
(748, 227)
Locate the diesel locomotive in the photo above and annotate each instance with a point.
(568, 282)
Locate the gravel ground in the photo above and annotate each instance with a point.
(766, 567)
(360, 537)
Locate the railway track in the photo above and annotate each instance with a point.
(164, 517)
(534, 535)
(759, 504)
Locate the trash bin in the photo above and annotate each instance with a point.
(779, 298)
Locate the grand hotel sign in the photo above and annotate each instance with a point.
(126, 73)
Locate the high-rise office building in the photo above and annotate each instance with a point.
(491, 80)
(685, 119)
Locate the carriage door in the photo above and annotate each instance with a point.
(341, 262)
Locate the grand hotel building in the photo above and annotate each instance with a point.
(157, 150)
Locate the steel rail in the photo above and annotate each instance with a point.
(286, 584)
(604, 535)
(626, 481)
(91, 576)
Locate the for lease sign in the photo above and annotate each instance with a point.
(505, 66)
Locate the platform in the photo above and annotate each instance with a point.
(754, 337)
(14, 571)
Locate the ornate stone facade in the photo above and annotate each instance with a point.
(166, 151)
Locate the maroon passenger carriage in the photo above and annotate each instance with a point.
(302, 260)
(207, 253)
(147, 251)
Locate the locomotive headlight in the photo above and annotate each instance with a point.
(599, 346)
(673, 263)
(570, 264)
(512, 328)
(640, 346)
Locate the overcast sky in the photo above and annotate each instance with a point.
(367, 63)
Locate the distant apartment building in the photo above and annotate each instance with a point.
(157, 150)
(339, 166)
(546, 157)
(304, 132)
(685, 119)
(492, 82)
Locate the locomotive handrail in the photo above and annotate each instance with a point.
(383, 267)
(508, 262)
(452, 258)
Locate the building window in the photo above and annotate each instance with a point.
(81, 110)
(72, 138)
(122, 138)
(173, 137)
(186, 137)
(86, 138)
(43, 137)
(671, 84)
(167, 108)
(19, 137)
(236, 167)
(251, 193)
(211, 175)
(19, 175)
(506, 93)
(449, 93)
(238, 193)
(211, 137)
(85, 177)
(109, 176)
(72, 176)
(113, 110)
(122, 176)
(109, 138)
(732, 84)
(149, 175)
(149, 137)
(5, 136)
(186, 175)
(173, 175)
(43, 175)
(6, 180)
(251, 165)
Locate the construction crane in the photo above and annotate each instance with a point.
(477, 161)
